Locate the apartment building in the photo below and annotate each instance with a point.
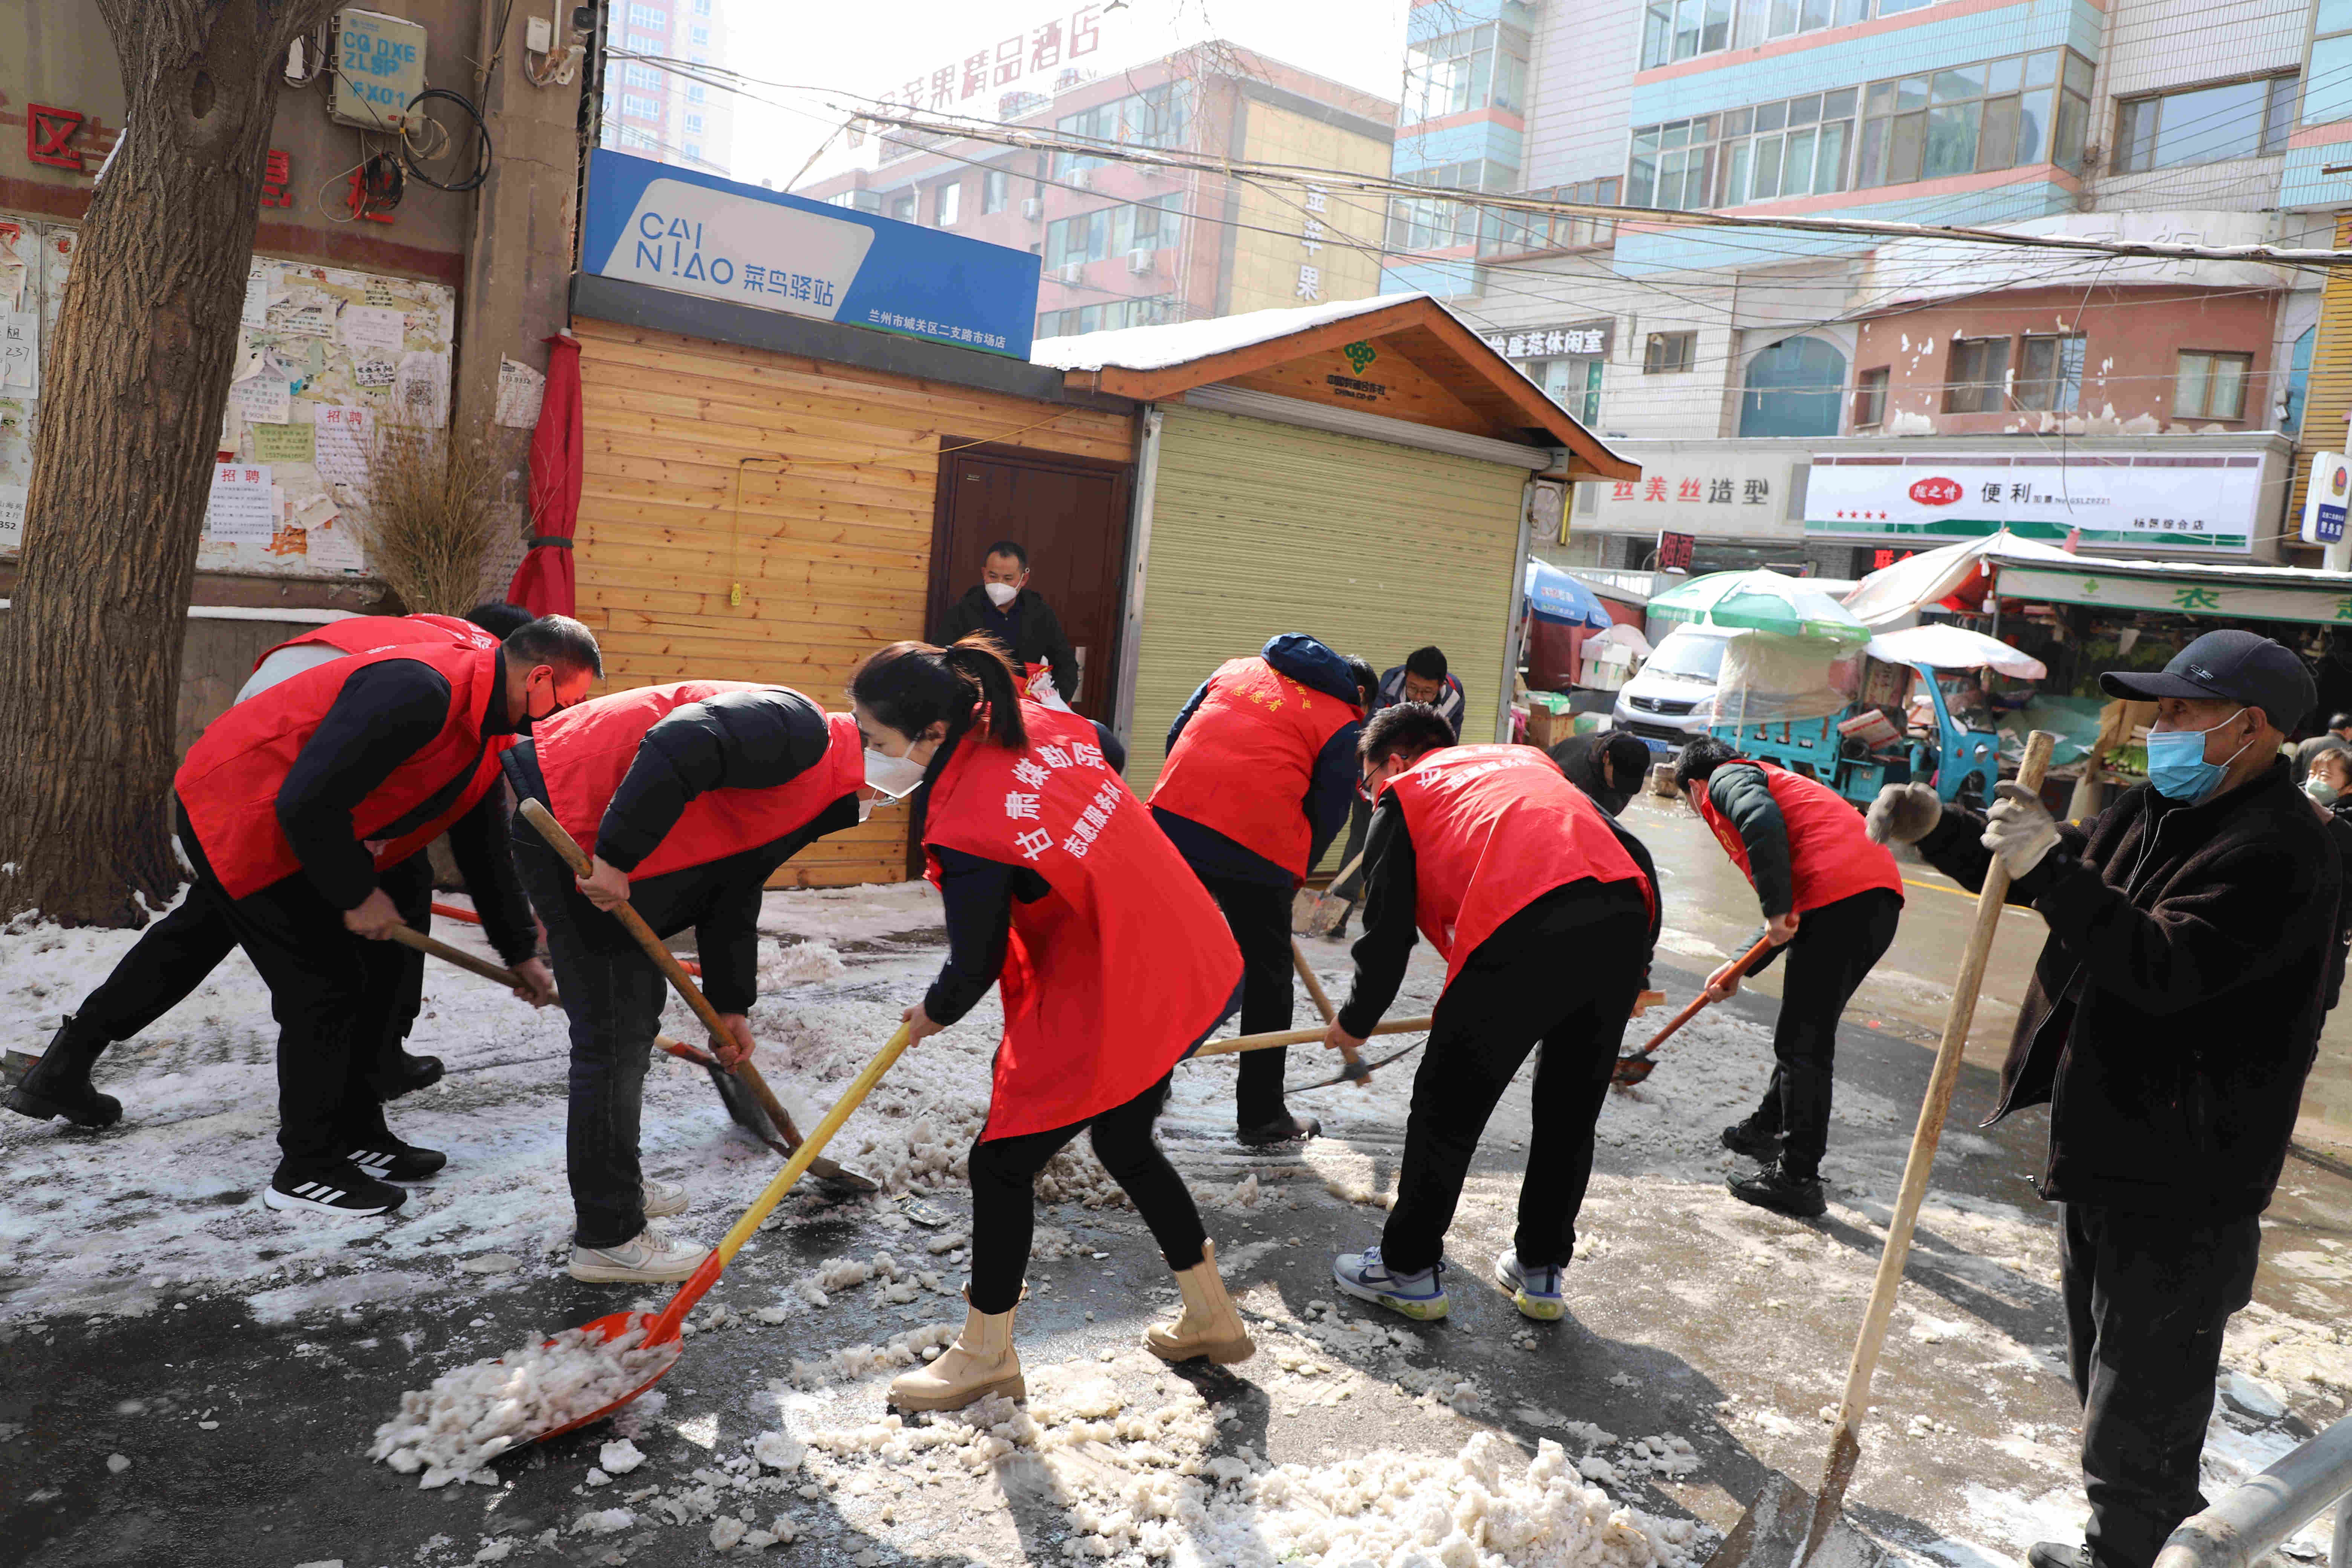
(1125, 245)
(652, 109)
(1729, 358)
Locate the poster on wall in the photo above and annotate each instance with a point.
(2148, 501)
(321, 353)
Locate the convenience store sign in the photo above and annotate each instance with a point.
(2145, 502)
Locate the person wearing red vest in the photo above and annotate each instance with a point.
(1833, 897)
(692, 794)
(1260, 775)
(177, 953)
(1111, 961)
(294, 804)
(1546, 912)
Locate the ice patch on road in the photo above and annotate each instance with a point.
(283, 1306)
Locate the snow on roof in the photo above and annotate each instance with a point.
(1183, 342)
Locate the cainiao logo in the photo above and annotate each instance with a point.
(707, 242)
(1937, 491)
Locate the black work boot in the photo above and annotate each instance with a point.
(58, 1083)
(2056, 1554)
(408, 1075)
(1755, 1141)
(1283, 1128)
(1776, 1187)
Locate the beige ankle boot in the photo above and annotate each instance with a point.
(982, 1361)
(1210, 1324)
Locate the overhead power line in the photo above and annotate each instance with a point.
(1654, 218)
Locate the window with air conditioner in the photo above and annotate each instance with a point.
(2212, 385)
(1978, 376)
(1669, 353)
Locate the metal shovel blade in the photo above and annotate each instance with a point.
(744, 1110)
(1631, 1070)
(1774, 1533)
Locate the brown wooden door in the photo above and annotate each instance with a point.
(1070, 514)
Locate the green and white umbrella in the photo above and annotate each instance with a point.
(1764, 602)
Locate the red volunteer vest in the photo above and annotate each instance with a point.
(1245, 760)
(366, 634)
(1115, 973)
(230, 781)
(1494, 828)
(584, 753)
(1831, 857)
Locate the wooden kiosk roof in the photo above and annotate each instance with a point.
(1400, 356)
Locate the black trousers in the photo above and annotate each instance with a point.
(1259, 914)
(612, 1001)
(177, 954)
(2147, 1298)
(331, 995)
(1004, 1215)
(1562, 972)
(1834, 949)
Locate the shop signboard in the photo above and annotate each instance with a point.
(696, 234)
(2256, 598)
(1711, 494)
(2324, 499)
(2146, 502)
(1674, 552)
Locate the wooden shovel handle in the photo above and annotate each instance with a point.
(1314, 983)
(562, 843)
(1746, 960)
(409, 936)
(1845, 1445)
(1299, 1037)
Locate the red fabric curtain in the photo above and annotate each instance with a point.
(543, 583)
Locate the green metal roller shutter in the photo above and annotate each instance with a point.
(1258, 529)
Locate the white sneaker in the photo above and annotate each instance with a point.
(649, 1256)
(663, 1199)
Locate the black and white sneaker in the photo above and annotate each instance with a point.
(390, 1160)
(348, 1192)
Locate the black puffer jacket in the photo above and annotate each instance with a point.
(2176, 1007)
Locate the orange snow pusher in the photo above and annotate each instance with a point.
(1631, 1070)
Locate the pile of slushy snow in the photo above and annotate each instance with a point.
(470, 1417)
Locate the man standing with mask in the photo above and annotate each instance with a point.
(1003, 606)
(2171, 1022)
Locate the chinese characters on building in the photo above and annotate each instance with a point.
(1588, 339)
(1707, 491)
(929, 328)
(1046, 47)
(1310, 239)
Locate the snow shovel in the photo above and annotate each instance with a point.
(662, 1328)
(1631, 1070)
(1319, 914)
(1784, 1528)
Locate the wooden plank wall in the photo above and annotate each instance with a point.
(832, 545)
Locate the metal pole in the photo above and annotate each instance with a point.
(2255, 1517)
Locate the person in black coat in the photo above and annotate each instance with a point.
(2171, 1022)
(2330, 785)
(1607, 764)
(1003, 606)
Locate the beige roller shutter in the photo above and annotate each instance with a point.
(1376, 549)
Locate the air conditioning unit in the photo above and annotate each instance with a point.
(1081, 180)
(1138, 262)
(1032, 208)
(1071, 272)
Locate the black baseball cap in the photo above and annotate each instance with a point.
(2227, 666)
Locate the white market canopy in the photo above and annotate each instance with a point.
(1941, 646)
(1894, 595)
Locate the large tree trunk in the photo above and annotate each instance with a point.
(131, 397)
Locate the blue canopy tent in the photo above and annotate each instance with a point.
(1559, 600)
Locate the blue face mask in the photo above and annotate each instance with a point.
(2177, 764)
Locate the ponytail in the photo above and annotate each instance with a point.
(910, 686)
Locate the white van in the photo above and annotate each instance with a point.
(1671, 700)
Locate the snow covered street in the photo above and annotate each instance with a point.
(185, 1377)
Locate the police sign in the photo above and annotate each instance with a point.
(2324, 499)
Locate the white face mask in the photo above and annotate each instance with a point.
(1001, 594)
(893, 777)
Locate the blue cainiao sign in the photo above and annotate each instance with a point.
(696, 234)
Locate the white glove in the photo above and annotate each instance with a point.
(2020, 829)
(1903, 813)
